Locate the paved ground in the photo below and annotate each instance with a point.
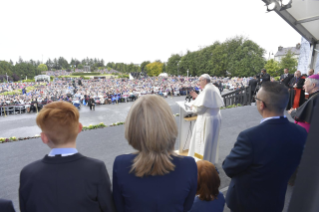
(104, 144)
(22, 125)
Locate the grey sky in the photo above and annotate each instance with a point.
(133, 31)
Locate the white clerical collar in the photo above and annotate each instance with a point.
(269, 118)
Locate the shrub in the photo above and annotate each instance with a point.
(123, 76)
(28, 80)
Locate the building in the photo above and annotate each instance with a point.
(283, 51)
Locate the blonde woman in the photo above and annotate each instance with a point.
(154, 178)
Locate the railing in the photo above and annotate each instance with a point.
(241, 96)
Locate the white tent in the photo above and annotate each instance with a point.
(42, 78)
(163, 75)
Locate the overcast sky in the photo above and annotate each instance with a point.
(133, 30)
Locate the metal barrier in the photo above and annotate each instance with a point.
(6, 110)
(241, 96)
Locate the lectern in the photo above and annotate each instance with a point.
(185, 128)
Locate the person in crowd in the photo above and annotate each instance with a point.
(208, 197)
(265, 156)
(286, 77)
(34, 105)
(264, 76)
(303, 114)
(296, 92)
(6, 206)
(311, 72)
(64, 180)
(91, 103)
(253, 84)
(154, 178)
(204, 140)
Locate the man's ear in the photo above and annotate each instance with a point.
(44, 138)
(80, 127)
(261, 106)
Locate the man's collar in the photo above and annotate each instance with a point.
(272, 117)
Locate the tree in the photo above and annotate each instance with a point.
(63, 63)
(172, 64)
(288, 61)
(49, 64)
(244, 57)
(15, 77)
(272, 67)
(145, 63)
(6, 68)
(154, 69)
(164, 68)
(42, 68)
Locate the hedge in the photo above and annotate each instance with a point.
(87, 74)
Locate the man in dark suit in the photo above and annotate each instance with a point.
(6, 206)
(253, 84)
(264, 76)
(91, 103)
(64, 180)
(286, 77)
(265, 156)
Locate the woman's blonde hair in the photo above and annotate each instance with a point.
(151, 129)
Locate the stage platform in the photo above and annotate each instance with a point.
(106, 144)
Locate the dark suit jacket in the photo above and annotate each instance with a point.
(265, 78)
(91, 101)
(285, 80)
(172, 192)
(253, 84)
(6, 206)
(292, 82)
(300, 81)
(65, 184)
(261, 163)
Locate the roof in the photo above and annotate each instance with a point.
(284, 51)
(303, 16)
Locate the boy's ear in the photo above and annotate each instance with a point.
(44, 138)
(80, 127)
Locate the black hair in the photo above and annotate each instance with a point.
(276, 96)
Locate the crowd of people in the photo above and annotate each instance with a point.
(103, 91)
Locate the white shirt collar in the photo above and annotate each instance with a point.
(62, 151)
(269, 118)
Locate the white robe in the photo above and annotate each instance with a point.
(204, 140)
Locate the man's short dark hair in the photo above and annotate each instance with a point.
(264, 70)
(276, 96)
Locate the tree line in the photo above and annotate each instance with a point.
(237, 56)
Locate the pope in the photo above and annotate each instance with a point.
(204, 140)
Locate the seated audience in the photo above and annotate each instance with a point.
(265, 156)
(6, 206)
(208, 196)
(154, 178)
(64, 180)
(303, 114)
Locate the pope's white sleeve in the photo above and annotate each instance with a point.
(196, 109)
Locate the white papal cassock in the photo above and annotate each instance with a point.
(204, 140)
